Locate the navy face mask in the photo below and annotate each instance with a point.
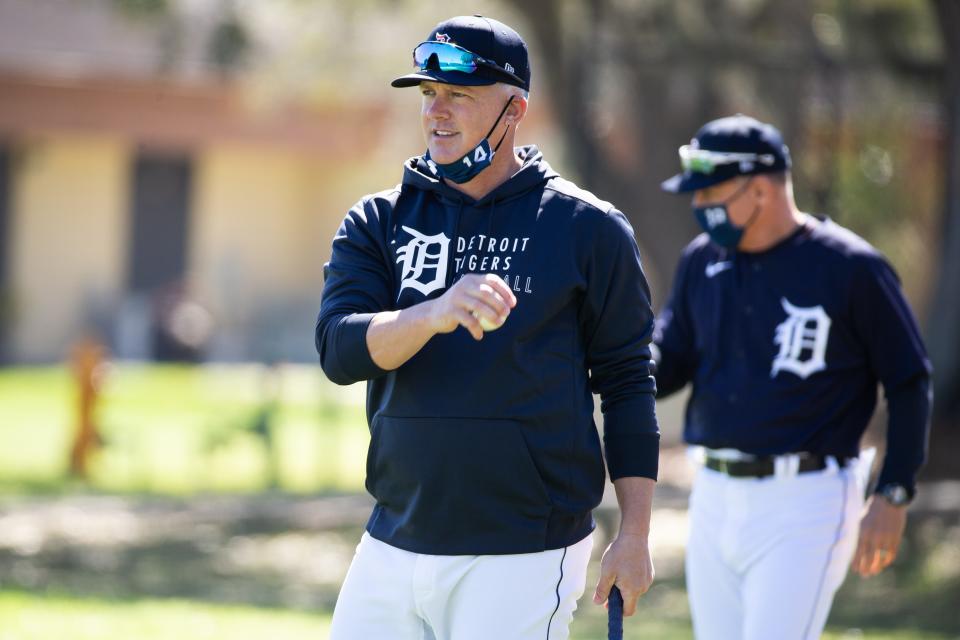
(715, 220)
(474, 161)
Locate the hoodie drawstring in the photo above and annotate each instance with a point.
(451, 260)
(493, 204)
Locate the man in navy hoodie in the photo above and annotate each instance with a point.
(483, 300)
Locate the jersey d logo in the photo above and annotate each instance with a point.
(802, 338)
(423, 255)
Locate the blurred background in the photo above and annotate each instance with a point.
(173, 464)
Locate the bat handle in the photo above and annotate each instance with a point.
(615, 615)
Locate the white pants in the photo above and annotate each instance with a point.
(766, 556)
(392, 594)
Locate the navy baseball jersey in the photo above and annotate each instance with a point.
(785, 348)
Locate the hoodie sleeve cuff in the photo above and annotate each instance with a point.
(632, 455)
(352, 354)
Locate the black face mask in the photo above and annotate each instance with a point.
(715, 220)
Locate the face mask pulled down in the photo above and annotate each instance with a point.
(474, 161)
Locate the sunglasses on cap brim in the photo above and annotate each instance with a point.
(446, 56)
(706, 161)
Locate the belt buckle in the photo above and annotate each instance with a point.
(786, 466)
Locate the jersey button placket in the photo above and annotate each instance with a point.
(741, 353)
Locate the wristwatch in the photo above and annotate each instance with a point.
(896, 494)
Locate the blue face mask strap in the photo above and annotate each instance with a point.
(496, 122)
(753, 216)
(756, 210)
(736, 194)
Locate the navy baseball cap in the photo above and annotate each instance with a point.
(499, 55)
(726, 148)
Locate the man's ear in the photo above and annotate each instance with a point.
(762, 188)
(517, 110)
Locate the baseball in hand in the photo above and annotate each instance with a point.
(485, 324)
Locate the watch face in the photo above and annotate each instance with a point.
(896, 494)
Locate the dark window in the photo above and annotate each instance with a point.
(158, 249)
(161, 203)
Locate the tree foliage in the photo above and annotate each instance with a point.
(864, 92)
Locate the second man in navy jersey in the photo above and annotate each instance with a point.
(784, 323)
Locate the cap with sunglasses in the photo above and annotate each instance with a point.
(726, 148)
(471, 51)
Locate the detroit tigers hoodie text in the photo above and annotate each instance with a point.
(489, 447)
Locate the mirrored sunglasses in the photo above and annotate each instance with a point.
(450, 57)
(706, 161)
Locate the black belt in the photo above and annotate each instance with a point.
(765, 466)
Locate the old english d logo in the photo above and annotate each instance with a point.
(424, 262)
(803, 340)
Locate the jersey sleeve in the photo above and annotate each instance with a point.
(909, 408)
(674, 341)
(616, 321)
(357, 286)
(896, 355)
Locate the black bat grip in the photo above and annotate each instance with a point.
(615, 615)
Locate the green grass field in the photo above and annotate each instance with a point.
(31, 617)
(183, 430)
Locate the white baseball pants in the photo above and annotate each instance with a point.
(392, 594)
(766, 556)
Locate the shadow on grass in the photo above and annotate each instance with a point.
(274, 551)
(280, 551)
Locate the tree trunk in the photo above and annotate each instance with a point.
(662, 223)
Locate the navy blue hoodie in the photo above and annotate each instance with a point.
(489, 447)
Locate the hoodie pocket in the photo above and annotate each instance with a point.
(455, 485)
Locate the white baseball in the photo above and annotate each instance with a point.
(485, 324)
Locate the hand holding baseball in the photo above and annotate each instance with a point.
(477, 302)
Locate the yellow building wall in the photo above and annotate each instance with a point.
(260, 227)
(69, 229)
(249, 232)
(336, 186)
